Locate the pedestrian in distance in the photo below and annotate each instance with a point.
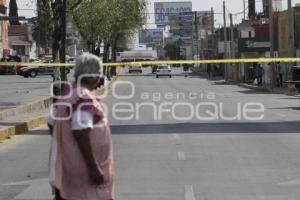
(81, 160)
(259, 72)
(209, 71)
(279, 75)
(186, 69)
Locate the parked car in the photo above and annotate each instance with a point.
(163, 70)
(137, 68)
(33, 71)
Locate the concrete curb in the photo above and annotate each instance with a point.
(263, 89)
(29, 108)
(24, 127)
(268, 90)
(21, 128)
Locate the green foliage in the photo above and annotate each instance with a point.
(42, 26)
(13, 12)
(106, 19)
(112, 22)
(173, 51)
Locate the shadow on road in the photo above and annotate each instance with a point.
(254, 92)
(147, 75)
(185, 128)
(286, 108)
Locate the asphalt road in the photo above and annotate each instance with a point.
(180, 159)
(16, 90)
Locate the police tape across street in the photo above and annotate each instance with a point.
(158, 62)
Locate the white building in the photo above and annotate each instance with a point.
(277, 6)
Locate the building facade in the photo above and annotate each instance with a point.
(4, 47)
(20, 39)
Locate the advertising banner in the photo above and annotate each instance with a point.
(253, 45)
(151, 36)
(205, 20)
(164, 9)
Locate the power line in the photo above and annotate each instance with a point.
(177, 13)
(30, 9)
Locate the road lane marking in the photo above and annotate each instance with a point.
(181, 156)
(282, 115)
(37, 189)
(176, 136)
(292, 182)
(189, 192)
(177, 139)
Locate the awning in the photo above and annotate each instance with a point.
(20, 43)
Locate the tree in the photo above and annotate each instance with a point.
(13, 12)
(58, 9)
(42, 26)
(108, 22)
(98, 21)
(173, 50)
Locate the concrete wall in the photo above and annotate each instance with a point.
(283, 44)
(3, 32)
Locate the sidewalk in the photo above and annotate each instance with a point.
(285, 90)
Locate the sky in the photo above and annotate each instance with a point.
(233, 6)
(26, 7)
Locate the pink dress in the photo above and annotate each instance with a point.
(68, 170)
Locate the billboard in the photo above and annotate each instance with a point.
(164, 9)
(181, 24)
(253, 45)
(205, 20)
(151, 36)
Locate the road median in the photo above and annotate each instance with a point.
(22, 119)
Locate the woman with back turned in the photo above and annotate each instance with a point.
(81, 159)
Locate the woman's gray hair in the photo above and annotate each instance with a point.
(87, 68)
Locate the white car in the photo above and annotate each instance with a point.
(163, 70)
(137, 68)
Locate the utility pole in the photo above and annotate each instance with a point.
(197, 34)
(225, 39)
(39, 25)
(231, 38)
(62, 53)
(244, 10)
(291, 30)
(234, 68)
(193, 34)
(213, 30)
(271, 30)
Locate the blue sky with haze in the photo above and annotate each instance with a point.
(234, 6)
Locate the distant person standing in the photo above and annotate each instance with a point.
(186, 69)
(209, 73)
(279, 75)
(259, 72)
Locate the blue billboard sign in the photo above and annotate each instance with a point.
(164, 9)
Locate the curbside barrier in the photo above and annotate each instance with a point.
(24, 127)
(21, 128)
(28, 108)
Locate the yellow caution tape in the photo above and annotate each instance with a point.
(168, 62)
(24, 64)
